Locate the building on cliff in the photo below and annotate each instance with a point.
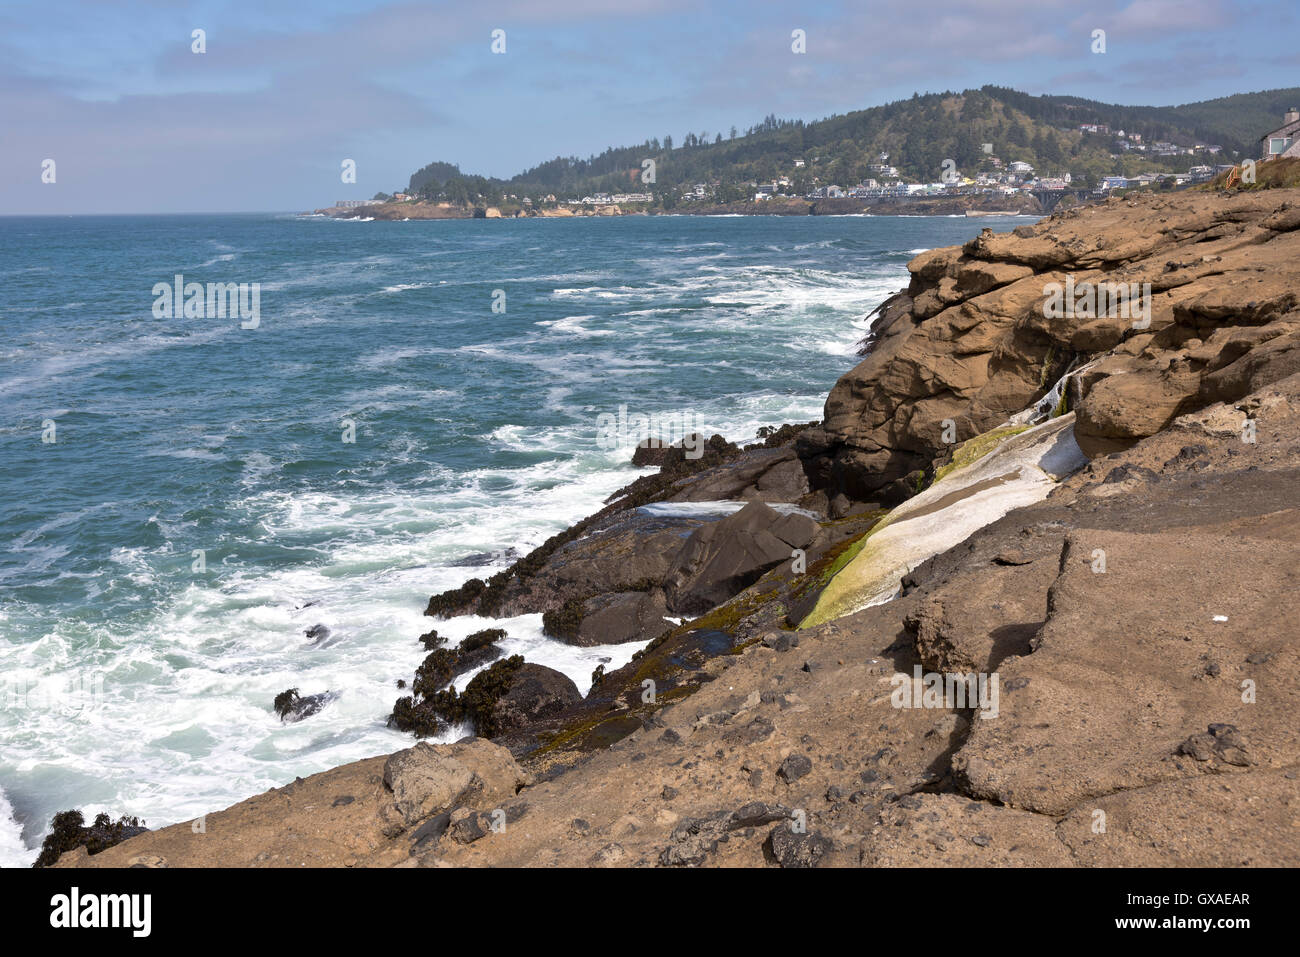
(1283, 141)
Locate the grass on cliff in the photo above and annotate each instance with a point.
(1275, 174)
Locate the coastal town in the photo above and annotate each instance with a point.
(990, 184)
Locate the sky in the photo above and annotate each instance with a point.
(136, 121)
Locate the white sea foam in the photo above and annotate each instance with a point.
(573, 325)
(706, 509)
(190, 673)
(406, 287)
(223, 258)
(13, 852)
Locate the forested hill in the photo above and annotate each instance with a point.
(917, 134)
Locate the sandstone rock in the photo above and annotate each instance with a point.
(428, 779)
(1121, 409)
(1099, 335)
(1194, 822)
(981, 618)
(973, 344)
(949, 830)
(1112, 693)
(977, 278)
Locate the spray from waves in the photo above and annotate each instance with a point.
(13, 852)
(185, 695)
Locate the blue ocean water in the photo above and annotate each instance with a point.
(134, 681)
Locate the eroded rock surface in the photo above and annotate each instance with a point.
(969, 340)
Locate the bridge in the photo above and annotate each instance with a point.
(1050, 197)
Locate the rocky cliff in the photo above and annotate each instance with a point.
(1027, 595)
(969, 340)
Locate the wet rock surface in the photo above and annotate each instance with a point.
(292, 706)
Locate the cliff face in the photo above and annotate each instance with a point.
(970, 340)
(1127, 629)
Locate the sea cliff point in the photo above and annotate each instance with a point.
(1026, 595)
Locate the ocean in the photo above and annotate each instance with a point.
(179, 503)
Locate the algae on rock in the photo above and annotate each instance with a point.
(1004, 469)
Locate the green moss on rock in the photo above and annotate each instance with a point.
(972, 450)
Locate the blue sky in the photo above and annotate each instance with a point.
(137, 122)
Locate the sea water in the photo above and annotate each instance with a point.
(178, 504)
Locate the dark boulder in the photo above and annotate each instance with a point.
(478, 649)
(535, 692)
(481, 639)
(500, 699)
(793, 848)
(291, 706)
(442, 666)
(769, 475)
(794, 767)
(721, 560)
(622, 616)
(436, 671)
(653, 452)
(417, 718)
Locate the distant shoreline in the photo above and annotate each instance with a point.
(950, 206)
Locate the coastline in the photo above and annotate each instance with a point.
(791, 727)
(958, 206)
